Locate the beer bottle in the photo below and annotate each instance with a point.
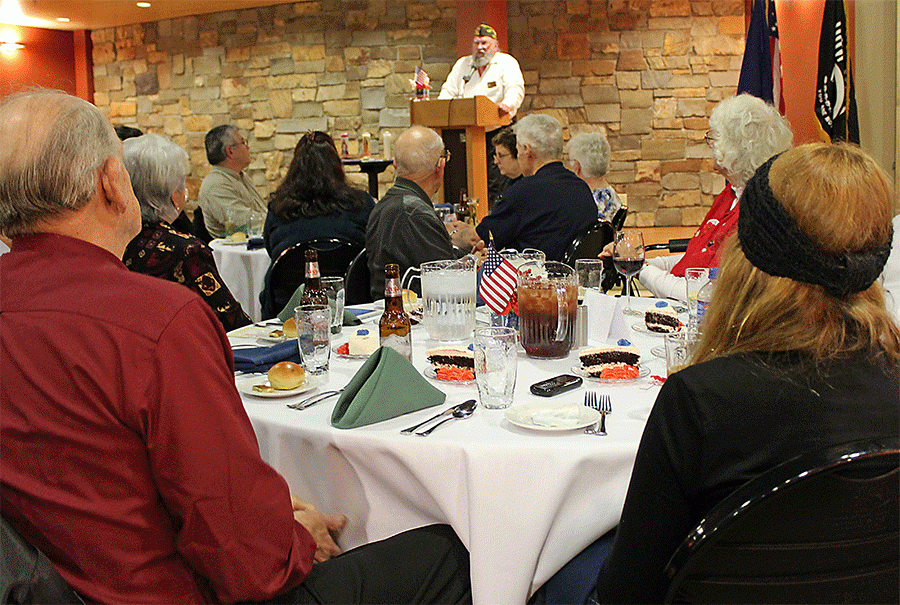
(394, 327)
(313, 294)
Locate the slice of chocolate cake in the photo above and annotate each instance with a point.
(662, 318)
(451, 357)
(597, 358)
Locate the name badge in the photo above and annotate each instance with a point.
(492, 85)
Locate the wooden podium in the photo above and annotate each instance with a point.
(474, 115)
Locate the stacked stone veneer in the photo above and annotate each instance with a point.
(646, 72)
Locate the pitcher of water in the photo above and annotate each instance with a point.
(448, 297)
(548, 298)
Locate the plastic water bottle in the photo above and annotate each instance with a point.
(705, 294)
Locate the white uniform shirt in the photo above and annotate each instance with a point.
(502, 81)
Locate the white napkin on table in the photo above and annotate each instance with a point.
(569, 415)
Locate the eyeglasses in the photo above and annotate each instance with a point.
(500, 156)
(710, 140)
(444, 156)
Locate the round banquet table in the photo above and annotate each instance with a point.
(523, 501)
(243, 271)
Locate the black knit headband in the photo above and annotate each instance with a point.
(776, 245)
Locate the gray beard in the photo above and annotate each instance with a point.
(482, 61)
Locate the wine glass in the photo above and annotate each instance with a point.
(628, 258)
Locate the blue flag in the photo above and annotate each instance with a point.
(756, 69)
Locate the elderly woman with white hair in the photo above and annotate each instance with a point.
(744, 132)
(158, 169)
(589, 158)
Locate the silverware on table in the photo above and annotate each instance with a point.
(310, 401)
(604, 406)
(449, 410)
(463, 410)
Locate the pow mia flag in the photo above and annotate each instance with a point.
(835, 101)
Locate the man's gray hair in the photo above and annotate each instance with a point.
(54, 144)
(542, 133)
(158, 168)
(591, 151)
(747, 131)
(417, 150)
(217, 140)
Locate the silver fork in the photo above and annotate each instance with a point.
(604, 407)
(310, 401)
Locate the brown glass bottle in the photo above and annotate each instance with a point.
(395, 328)
(313, 294)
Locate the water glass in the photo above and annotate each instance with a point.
(313, 337)
(237, 219)
(495, 366)
(679, 349)
(334, 290)
(694, 278)
(590, 274)
(256, 224)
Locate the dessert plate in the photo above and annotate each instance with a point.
(544, 417)
(431, 373)
(643, 329)
(346, 355)
(643, 372)
(245, 386)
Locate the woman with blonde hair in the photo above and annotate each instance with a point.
(798, 353)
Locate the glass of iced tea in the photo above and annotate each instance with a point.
(548, 298)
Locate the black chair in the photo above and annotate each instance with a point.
(198, 226)
(820, 528)
(288, 270)
(590, 242)
(674, 246)
(26, 574)
(357, 281)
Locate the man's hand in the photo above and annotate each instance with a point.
(323, 528)
(607, 251)
(504, 108)
(463, 235)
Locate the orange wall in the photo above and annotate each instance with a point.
(48, 60)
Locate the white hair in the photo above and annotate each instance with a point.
(542, 133)
(747, 132)
(591, 151)
(158, 168)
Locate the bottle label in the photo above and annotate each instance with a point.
(702, 305)
(391, 288)
(312, 270)
(401, 344)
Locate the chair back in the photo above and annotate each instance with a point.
(289, 268)
(590, 242)
(820, 528)
(198, 226)
(357, 281)
(26, 574)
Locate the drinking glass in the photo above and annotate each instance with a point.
(495, 366)
(334, 290)
(628, 258)
(590, 274)
(237, 219)
(256, 224)
(679, 349)
(694, 278)
(313, 336)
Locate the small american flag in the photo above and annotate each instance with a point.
(422, 78)
(498, 282)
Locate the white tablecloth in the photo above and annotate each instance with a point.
(523, 501)
(243, 271)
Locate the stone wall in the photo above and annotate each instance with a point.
(646, 72)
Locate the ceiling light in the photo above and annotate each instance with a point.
(10, 47)
(143, 4)
(63, 19)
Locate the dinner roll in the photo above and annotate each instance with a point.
(290, 328)
(286, 375)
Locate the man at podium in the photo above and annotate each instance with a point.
(491, 73)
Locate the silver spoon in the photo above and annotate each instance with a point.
(463, 410)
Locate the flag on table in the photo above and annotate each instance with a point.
(498, 282)
(761, 67)
(835, 99)
(422, 80)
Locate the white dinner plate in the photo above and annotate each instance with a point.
(643, 372)
(228, 242)
(245, 385)
(659, 351)
(643, 329)
(546, 417)
(430, 372)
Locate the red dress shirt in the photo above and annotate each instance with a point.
(705, 246)
(128, 457)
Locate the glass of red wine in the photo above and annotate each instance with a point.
(628, 258)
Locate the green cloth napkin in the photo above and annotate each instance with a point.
(349, 318)
(386, 386)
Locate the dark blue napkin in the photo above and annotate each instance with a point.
(260, 359)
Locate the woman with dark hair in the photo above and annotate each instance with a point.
(314, 201)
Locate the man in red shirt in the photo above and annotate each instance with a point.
(127, 455)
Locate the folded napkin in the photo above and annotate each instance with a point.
(565, 416)
(386, 386)
(260, 359)
(349, 318)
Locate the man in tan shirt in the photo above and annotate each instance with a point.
(226, 187)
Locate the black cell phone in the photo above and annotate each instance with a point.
(556, 385)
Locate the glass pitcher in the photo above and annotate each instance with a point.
(448, 297)
(548, 299)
